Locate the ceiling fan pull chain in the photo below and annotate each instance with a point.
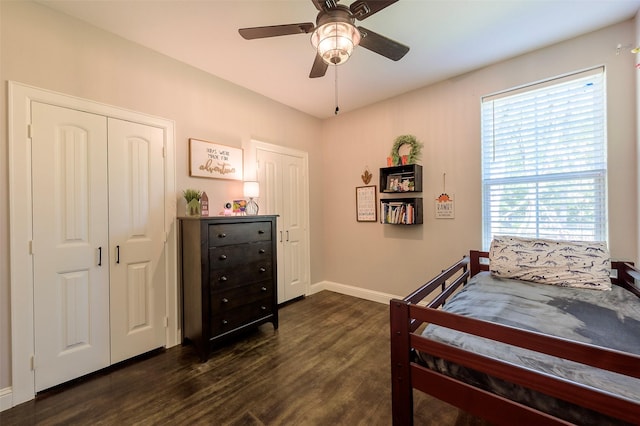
(336, 84)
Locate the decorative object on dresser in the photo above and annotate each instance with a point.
(228, 272)
(204, 204)
(251, 191)
(192, 196)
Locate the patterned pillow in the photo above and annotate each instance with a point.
(564, 263)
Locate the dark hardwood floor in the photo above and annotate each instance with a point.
(327, 364)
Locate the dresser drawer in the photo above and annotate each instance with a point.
(223, 234)
(227, 321)
(226, 278)
(225, 300)
(239, 254)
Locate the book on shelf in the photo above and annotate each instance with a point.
(397, 212)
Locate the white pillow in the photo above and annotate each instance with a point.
(564, 263)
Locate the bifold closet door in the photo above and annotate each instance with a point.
(136, 234)
(70, 243)
(98, 242)
(282, 190)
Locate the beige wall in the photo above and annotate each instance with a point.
(48, 50)
(52, 51)
(446, 118)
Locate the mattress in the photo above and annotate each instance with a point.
(609, 319)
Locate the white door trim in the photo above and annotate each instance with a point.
(20, 222)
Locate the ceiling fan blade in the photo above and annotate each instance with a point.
(276, 30)
(319, 68)
(382, 45)
(362, 9)
(322, 4)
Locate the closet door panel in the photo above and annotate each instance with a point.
(70, 214)
(136, 218)
(295, 268)
(283, 193)
(270, 201)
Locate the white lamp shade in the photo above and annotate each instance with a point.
(251, 189)
(335, 41)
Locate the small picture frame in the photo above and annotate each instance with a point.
(366, 204)
(239, 207)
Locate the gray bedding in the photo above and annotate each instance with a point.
(605, 318)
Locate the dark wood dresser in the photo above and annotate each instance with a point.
(229, 281)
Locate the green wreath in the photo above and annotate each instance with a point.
(414, 154)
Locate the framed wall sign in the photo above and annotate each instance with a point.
(210, 160)
(366, 204)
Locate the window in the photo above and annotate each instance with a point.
(544, 160)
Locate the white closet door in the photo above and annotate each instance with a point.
(296, 269)
(136, 235)
(283, 192)
(269, 177)
(71, 273)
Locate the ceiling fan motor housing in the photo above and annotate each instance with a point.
(335, 35)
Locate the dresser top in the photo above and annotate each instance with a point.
(222, 219)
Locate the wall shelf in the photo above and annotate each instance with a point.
(401, 211)
(407, 178)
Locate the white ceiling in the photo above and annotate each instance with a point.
(447, 38)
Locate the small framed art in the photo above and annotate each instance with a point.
(366, 204)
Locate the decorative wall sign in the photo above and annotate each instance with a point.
(210, 160)
(366, 204)
(445, 207)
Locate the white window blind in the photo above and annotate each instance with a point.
(544, 160)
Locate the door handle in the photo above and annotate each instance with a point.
(117, 254)
(280, 236)
(100, 256)
(287, 235)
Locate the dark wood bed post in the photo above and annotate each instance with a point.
(474, 264)
(401, 387)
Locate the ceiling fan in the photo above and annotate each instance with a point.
(334, 35)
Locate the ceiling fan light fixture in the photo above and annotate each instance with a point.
(335, 41)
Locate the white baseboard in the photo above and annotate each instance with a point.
(362, 293)
(6, 399)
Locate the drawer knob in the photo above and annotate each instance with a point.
(222, 278)
(261, 251)
(263, 289)
(263, 269)
(264, 308)
(222, 235)
(225, 300)
(223, 257)
(225, 322)
(261, 232)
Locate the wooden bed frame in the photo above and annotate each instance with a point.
(408, 314)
